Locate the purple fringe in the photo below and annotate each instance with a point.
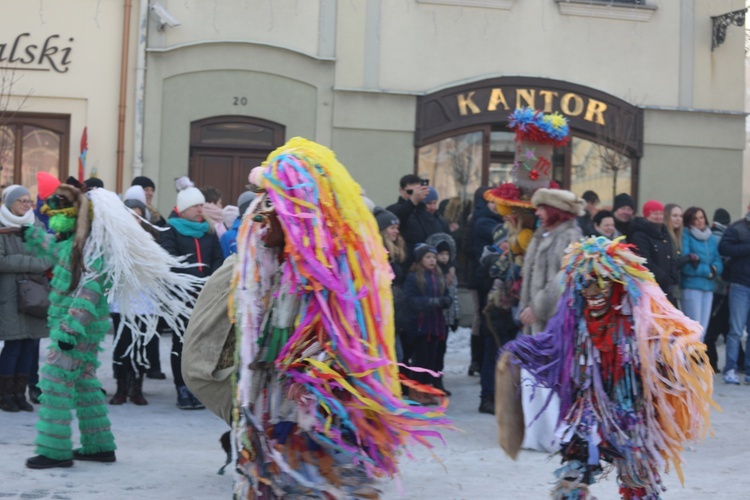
(548, 355)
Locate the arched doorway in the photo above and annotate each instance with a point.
(224, 149)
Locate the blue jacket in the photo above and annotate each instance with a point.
(736, 244)
(229, 239)
(696, 277)
(424, 319)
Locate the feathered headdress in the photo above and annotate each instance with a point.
(342, 348)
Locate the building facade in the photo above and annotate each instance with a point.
(399, 86)
(62, 91)
(656, 107)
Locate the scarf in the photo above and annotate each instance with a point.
(701, 234)
(213, 213)
(189, 228)
(9, 219)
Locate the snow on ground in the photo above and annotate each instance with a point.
(166, 453)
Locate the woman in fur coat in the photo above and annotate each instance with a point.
(542, 275)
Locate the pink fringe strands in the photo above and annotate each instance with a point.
(319, 399)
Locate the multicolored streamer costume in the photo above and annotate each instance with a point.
(319, 411)
(631, 372)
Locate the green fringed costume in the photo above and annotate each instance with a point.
(79, 318)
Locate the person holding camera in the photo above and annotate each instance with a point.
(427, 295)
(20, 330)
(412, 192)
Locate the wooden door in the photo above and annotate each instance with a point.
(226, 170)
(224, 149)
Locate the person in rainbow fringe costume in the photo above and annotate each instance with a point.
(319, 412)
(630, 369)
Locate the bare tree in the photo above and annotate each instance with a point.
(612, 145)
(462, 162)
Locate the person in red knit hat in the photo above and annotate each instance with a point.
(652, 241)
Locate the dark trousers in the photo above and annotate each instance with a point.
(34, 372)
(176, 360)
(17, 356)
(129, 354)
(421, 352)
(719, 325)
(504, 329)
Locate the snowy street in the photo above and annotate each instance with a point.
(166, 453)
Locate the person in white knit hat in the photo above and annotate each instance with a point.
(191, 236)
(557, 210)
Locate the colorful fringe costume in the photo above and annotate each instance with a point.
(632, 374)
(94, 263)
(319, 411)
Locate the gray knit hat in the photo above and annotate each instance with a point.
(12, 193)
(384, 218)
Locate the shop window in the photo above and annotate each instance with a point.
(30, 144)
(600, 169)
(453, 165)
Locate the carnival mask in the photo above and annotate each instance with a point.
(598, 298)
(265, 215)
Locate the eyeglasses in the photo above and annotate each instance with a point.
(25, 202)
(409, 191)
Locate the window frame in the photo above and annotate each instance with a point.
(57, 123)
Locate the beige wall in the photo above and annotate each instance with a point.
(693, 159)
(286, 23)
(194, 83)
(89, 90)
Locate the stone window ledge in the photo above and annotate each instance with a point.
(487, 4)
(606, 10)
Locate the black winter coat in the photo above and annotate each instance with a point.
(654, 243)
(735, 244)
(421, 225)
(206, 250)
(402, 209)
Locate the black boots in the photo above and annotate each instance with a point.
(487, 405)
(42, 462)
(102, 456)
(7, 396)
(438, 384)
(19, 392)
(121, 395)
(136, 390)
(129, 385)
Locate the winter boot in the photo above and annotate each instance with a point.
(34, 393)
(42, 462)
(438, 384)
(136, 390)
(184, 398)
(102, 456)
(19, 392)
(7, 399)
(121, 395)
(487, 405)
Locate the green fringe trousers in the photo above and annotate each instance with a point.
(68, 381)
